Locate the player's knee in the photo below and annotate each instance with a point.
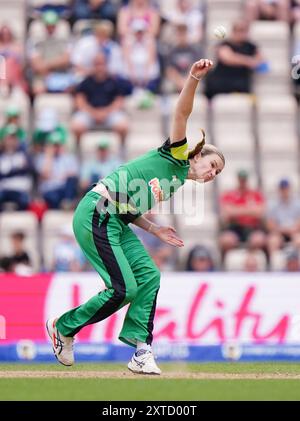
(118, 295)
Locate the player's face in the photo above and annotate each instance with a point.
(208, 167)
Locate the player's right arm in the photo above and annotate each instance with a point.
(185, 101)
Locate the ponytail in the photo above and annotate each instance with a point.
(198, 148)
(203, 149)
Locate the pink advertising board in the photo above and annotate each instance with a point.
(200, 309)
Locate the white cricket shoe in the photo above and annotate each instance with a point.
(62, 345)
(142, 362)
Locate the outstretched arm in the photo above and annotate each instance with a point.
(185, 102)
(165, 234)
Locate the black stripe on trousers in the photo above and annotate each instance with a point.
(106, 253)
(150, 325)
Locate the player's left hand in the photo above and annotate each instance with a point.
(168, 235)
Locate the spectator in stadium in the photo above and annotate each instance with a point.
(100, 103)
(140, 56)
(50, 60)
(18, 261)
(295, 243)
(98, 167)
(292, 260)
(267, 9)
(200, 260)
(237, 58)
(94, 9)
(13, 53)
(46, 123)
(58, 173)
(186, 12)
(242, 215)
(15, 170)
(138, 10)
(245, 260)
(179, 60)
(12, 116)
(67, 254)
(258, 241)
(251, 262)
(87, 47)
(283, 217)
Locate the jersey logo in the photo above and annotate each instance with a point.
(156, 189)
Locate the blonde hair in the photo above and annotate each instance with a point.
(205, 149)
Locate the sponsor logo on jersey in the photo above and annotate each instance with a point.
(156, 189)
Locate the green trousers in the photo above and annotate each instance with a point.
(126, 268)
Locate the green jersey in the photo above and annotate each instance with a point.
(143, 182)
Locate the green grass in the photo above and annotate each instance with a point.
(153, 389)
(166, 390)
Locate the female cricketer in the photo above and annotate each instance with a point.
(101, 228)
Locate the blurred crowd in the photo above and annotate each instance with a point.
(117, 50)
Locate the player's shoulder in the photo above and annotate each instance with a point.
(175, 152)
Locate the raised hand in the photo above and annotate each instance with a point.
(201, 68)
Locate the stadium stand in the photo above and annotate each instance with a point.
(25, 222)
(52, 224)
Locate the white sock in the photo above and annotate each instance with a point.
(143, 345)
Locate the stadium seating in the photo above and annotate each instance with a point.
(222, 12)
(278, 140)
(233, 124)
(20, 101)
(235, 260)
(25, 222)
(37, 31)
(52, 225)
(90, 140)
(273, 41)
(277, 126)
(233, 165)
(273, 170)
(277, 261)
(145, 129)
(62, 103)
(13, 11)
(39, 3)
